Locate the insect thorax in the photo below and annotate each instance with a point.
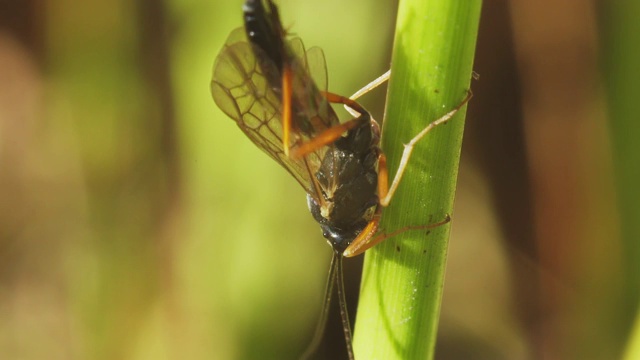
(348, 178)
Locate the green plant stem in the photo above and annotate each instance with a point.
(620, 56)
(403, 277)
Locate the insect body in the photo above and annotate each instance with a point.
(348, 178)
(275, 91)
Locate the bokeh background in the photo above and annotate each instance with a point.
(137, 222)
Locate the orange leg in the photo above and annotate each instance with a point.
(370, 237)
(332, 134)
(364, 240)
(383, 176)
(286, 108)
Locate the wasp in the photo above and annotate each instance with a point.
(275, 90)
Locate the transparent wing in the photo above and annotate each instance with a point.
(310, 79)
(240, 89)
(317, 66)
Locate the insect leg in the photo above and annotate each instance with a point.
(364, 240)
(286, 107)
(385, 198)
(360, 245)
(370, 86)
(333, 133)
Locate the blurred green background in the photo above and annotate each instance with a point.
(137, 222)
